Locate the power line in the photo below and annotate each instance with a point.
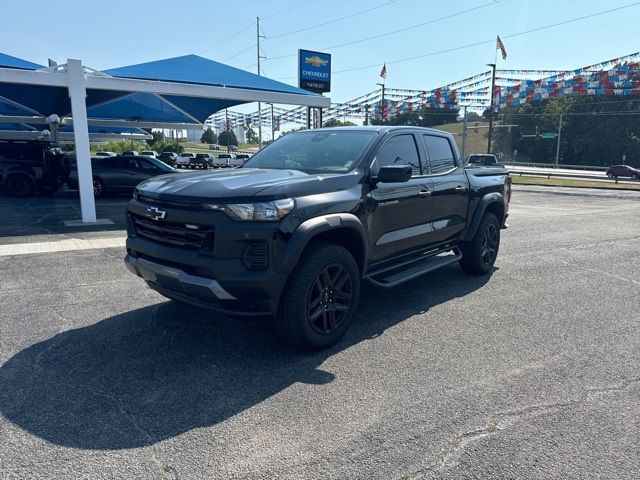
(484, 42)
(284, 10)
(396, 31)
(311, 27)
(239, 53)
(227, 39)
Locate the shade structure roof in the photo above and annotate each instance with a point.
(148, 107)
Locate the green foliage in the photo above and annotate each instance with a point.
(209, 136)
(334, 122)
(157, 137)
(588, 137)
(427, 117)
(227, 138)
(252, 136)
(123, 145)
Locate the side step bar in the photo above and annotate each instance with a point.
(400, 273)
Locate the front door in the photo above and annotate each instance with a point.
(400, 212)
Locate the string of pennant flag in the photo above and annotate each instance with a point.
(513, 87)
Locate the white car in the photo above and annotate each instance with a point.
(150, 153)
(105, 154)
(184, 159)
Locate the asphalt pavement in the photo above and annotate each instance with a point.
(532, 372)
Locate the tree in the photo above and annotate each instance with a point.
(227, 138)
(158, 136)
(209, 136)
(334, 122)
(252, 136)
(425, 117)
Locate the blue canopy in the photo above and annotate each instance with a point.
(7, 61)
(113, 105)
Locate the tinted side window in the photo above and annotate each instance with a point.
(399, 150)
(440, 154)
(145, 165)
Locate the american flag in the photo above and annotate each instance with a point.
(500, 46)
(383, 72)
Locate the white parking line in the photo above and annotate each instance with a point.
(65, 245)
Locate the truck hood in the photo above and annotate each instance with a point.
(240, 183)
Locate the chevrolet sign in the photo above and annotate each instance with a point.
(154, 213)
(314, 71)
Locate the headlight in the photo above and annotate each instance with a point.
(263, 211)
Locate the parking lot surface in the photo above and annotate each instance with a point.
(532, 372)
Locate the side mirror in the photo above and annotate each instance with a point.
(394, 173)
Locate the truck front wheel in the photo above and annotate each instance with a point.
(319, 300)
(21, 185)
(479, 255)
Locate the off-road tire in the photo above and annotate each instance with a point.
(479, 254)
(21, 185)
(293, 323)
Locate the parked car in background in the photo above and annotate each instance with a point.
(120, 174)
(243, 156)
(130, 152)
(27, 166)
(233, 148)
(623, 171)
(201, 160)
(230, 159)
(215, 146)
(184, 159)
(169, 158)
(482, 159)
(105, 154)
(150, 153)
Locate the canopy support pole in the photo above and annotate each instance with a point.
(78, 94)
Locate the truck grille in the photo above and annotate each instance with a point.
(188, 236)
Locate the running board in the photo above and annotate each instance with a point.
(403, 273)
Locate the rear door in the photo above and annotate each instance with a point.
(400, 218)
(450, 189)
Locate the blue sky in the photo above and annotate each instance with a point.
(116, 32)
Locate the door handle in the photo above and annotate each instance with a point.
(424, 193)
(461, 188)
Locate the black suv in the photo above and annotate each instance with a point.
(293, 232)
(29, 166)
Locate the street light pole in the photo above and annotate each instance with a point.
(493, 84)
(558, 146)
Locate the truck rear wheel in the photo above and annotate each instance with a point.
(21, 185)
(319, 300)
(479, 255)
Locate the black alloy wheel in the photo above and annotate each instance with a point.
(489, 244)
(98, 187)
(330, 299)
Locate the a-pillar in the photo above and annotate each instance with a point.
(78, 94)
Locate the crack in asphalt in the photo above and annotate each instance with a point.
(452, 451)
(151, 440)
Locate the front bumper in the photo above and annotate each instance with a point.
(204, 292)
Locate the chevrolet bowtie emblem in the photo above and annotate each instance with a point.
(155, 213)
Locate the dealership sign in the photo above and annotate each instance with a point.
(314, 71)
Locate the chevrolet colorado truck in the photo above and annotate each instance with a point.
(294, 231)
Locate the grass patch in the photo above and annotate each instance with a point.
(572, 182)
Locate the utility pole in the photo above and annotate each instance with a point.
(464, 135)
(493, 84)
(382, 110)
(258, 37)
(558, 146)
(226, 127)
(273, 130)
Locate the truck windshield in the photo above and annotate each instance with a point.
(329, 151)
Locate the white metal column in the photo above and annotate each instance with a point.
(78, 94)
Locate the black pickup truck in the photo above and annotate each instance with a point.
(27, 166)
(293, 232)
